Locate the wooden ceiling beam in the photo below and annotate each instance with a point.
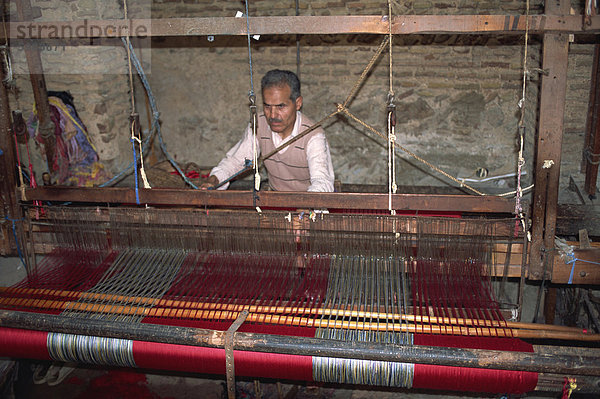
(305, 25)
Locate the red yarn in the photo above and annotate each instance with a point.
(212, 361)
(28, 344)
(473, 379)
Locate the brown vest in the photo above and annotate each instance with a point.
(288, 171)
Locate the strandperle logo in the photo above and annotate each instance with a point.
(84, 29)
(80, 47)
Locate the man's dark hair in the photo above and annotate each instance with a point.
(278, 77)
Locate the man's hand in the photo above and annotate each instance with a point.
(210, 182)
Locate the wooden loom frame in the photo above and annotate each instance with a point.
(555, 26)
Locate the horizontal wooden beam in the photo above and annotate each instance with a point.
(305, 25)
(563, 360)
(273, 199)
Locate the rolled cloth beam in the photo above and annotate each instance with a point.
(546, 359)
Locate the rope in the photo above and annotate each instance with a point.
(134, 122)
(137, 193)
(345, 110)
(253, 120)
(249, 49)
(341, 108)
(392, 187)
(297, 43)
(255, 155)
(391, 120)
(521, 160)
(390, 43)
(572, 260)
(154, 128)
(155, 118)
(132, 98)
(360, 80)
(298, 137)
(515, 191)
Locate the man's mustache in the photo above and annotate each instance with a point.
(275, 120)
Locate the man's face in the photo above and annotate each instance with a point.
(280, 110)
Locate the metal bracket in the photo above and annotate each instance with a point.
(229, 366)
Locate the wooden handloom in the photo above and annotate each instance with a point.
(304, 317)
(407, 288)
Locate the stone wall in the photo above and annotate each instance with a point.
(457, 96)
(95, 72)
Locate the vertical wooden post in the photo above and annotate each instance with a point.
(8, 200)
(591, 148)
(38, 83)
(549, 143)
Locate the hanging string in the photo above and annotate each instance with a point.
(137, 192)
(131, 120)
(132, 98)
(297, 44)
(253, 119)
(134, 127)
(254, 149)
(391, 121)
(521, 160)
(346, 111)
(390, 44)
(249, 49)
(154, 128)
(509, 193)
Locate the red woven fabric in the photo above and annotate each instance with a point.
(472, 379)
(28, 344)
(212, 361)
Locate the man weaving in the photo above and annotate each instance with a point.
(304, 165)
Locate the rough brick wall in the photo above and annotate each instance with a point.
(456, 95)
(96, 74)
